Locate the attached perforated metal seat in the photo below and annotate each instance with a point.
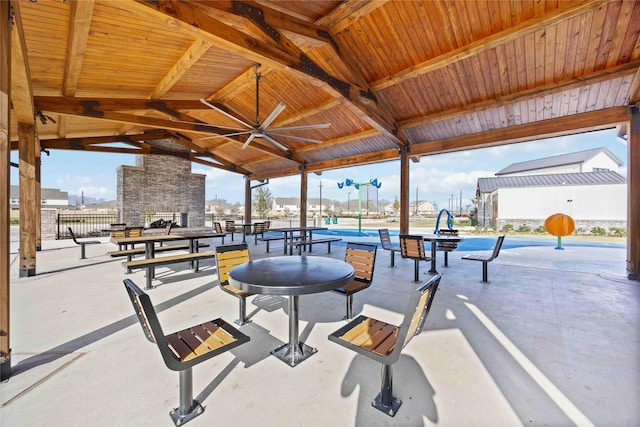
(412, 247)
(183, 349)
(362, 258)
(383, 342)
(227, 257)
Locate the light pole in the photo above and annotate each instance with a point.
(359, 185)
(348, 203)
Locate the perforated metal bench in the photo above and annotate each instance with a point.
(486, 259)
(82, 243)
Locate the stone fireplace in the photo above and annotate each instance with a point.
(161, 185)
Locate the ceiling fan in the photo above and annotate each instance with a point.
(261, 129)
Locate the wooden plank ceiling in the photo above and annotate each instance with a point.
(423, 76)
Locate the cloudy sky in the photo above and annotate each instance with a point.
(438, 178)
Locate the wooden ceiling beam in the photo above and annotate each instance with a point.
(21, 90)
(340, 140)
(285, 56)
(310, 112)
(118, 104)
(348, 12)
(577, 123)
(79, 26)
(241, 83)
(97, 140)
(536, 92)
(94, 109)
(89, 145)
(191, 56)
(487, 43)
(595, 120)
(634, 92)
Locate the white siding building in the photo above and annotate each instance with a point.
(584, 185)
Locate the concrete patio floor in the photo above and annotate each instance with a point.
(553, 340)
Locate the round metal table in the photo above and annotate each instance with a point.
(293, 276)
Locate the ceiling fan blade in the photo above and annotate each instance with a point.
(223, 136)
(297, 138)
(318, 126)
(248, 141)
(274, 142)
(275, 113)
(221, 111)
(205, 124)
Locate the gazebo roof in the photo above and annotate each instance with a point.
(423, 76)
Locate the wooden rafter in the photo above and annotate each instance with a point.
(342, 140)
(79, 25)
(348, 12)
(21, 91)
(188, 59)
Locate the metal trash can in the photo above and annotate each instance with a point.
(335, 219)
(327, 220)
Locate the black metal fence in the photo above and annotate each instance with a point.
(84, 225)
(91, 225)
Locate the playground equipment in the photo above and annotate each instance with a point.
(559, 225)
(349, 182)
(449, 221)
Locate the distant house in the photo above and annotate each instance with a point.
(222, 207)
(422, 207)
(285, 205)
(50, 198)
(291, 205)
(585, 185)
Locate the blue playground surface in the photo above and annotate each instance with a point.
(470, 243)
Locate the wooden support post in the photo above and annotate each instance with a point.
(247, 200)
(38, 197)
(303, 196)
(633, 194)
(404, 191)
(27, 148)
(5, 161)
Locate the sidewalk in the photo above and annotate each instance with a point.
(553, 340)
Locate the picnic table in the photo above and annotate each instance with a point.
(149, 241)
(288, 234)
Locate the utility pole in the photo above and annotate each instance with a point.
(320, 197)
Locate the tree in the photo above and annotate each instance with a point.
(396, 206)
(262, 201)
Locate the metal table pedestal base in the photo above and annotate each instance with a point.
(292, 355)
(294, 351)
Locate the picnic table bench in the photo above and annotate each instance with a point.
(269, 238)
(303, 243)
(129, 253)
(150, 263)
